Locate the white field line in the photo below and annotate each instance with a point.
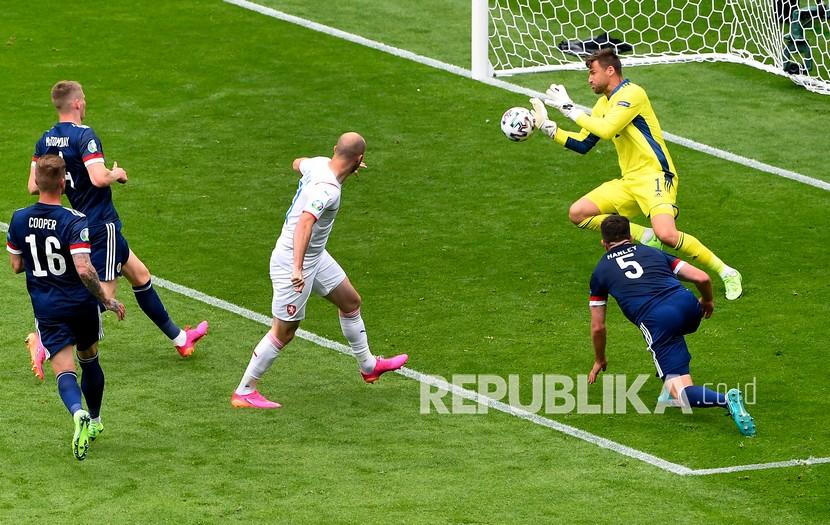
(438, 383)
(435, 382)
(759, 466)
(602, 442)
(466, 73)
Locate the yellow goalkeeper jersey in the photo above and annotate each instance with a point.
(627, 119)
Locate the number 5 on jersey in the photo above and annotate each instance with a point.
(635, 271)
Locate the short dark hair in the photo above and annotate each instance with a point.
(49, 170)
(606, 57)
(615, 228)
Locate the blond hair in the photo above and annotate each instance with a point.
(64, 93)
(49, 170)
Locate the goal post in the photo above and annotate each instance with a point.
(480, 45)
(784, 37)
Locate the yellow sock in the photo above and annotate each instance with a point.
(693, 249)
(593, 222)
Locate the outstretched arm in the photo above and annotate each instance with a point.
(296, 165)
(580, 142)
(606, 127)
(88, 275)
(614, 119)
(598, 337)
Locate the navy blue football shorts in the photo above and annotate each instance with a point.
(109, 250)
(81, 329)
(663, 328)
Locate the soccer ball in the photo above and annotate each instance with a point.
(517, 124)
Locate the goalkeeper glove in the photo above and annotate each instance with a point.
(540, 118)
(558, 98)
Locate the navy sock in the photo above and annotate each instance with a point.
(151, 305)
(702, 397)
(92, 385)
(69, 391)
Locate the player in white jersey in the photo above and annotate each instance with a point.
(300, 265)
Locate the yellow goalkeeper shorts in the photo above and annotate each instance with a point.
(649, 194)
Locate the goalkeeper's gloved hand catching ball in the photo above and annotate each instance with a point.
(540, 118)
(558, 98)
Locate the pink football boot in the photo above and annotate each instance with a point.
(252, 400)
(385, 365)
(193, 335)
(37, 354)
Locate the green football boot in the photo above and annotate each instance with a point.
(732, 283)
(95, 428)
(665, 398)
(737, 409)
(654, 242)
(80, 440)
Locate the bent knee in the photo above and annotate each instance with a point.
(577, 214)
(89, 353)
(284, 331)
(135, 271)
(345, 298)
(669, 237)
(353, 303)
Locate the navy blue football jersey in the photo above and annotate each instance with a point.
(46, 236)
(637, 277)
(80, 148)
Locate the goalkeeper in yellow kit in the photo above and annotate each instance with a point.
(649, 180)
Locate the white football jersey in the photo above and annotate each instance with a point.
(318, 193)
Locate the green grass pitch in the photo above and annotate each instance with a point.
(460, 246)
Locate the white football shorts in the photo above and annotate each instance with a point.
(287, 304)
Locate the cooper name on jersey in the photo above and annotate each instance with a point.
(57, 142)
(42, 224)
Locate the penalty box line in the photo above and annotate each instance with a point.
(514, 88)
(583, 435)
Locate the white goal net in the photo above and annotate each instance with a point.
(785, 37)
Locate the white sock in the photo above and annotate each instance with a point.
(180, 339)
(96, 419)
(263, 357)
(727, 271)
(355, 332)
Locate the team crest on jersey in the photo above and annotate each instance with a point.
(92, 147)
(85, 235)
(624, 104)
(317, 205)
(291, 309)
